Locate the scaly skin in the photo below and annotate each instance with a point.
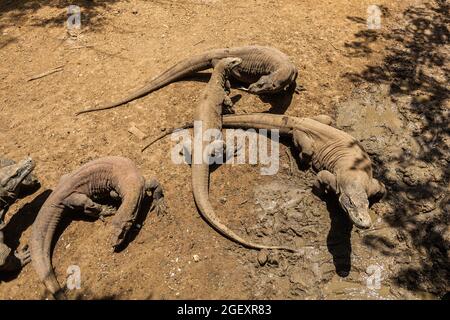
(74, 191)
(209, 114)
(12, 175)
(343, 166)
(30, 180)
(266, 69)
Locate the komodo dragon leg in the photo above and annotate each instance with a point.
(228, 105)
(377, 190)
(90, 208)
(326, 182)
(304, 144)
(23, 256)
(323, 118)
(16, 261)
(218, 150)
(158, 202)
(13, 262)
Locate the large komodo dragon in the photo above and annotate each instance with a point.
(342, 164)
(266, 69)
(208, 117)
(99, 178)
(12, 177)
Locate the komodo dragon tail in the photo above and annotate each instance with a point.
(40, 245)
(253, 120)
(200, 190)
(178, 71)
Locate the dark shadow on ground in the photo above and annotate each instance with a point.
(21, 11)
(17, 225)
(416, 66)
(339, 236)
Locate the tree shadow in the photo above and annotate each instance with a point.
(415, 68)
(20, 12)
(361, 47)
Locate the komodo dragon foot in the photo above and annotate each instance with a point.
(24, 256)
(158, 203)
(88, 206)
(299, 88)
(16, 261)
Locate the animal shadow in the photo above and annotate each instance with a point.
(279, 102)
(338, 238)
(17, 225)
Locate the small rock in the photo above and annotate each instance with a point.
(196, 258)
(262, 257)
(273, 260)
(134, 11)
(296, 278)
(136, 131)
(223, 200)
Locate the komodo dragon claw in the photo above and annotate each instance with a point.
(24, 256)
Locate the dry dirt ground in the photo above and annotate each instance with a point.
(388, 87)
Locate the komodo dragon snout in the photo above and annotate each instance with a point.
(119, 229)
(118, 234)
(12, 176)
(273, 83)
(355, 203)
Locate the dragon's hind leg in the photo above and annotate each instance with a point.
(89, 207)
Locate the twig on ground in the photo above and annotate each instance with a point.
(46, 73)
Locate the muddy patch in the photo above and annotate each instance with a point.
(394, 258)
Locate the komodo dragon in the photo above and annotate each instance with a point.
(96, 178)
(30, 182)
(342, 164)
(208, 114)
(266, 69)
(12, 175)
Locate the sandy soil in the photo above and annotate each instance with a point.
(388, 87)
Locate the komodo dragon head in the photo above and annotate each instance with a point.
(274, 82)
(354, 200)
(10, 179)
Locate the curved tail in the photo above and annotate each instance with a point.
(40, 246)
(251, 120)
(200, 175)
(176, 72)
